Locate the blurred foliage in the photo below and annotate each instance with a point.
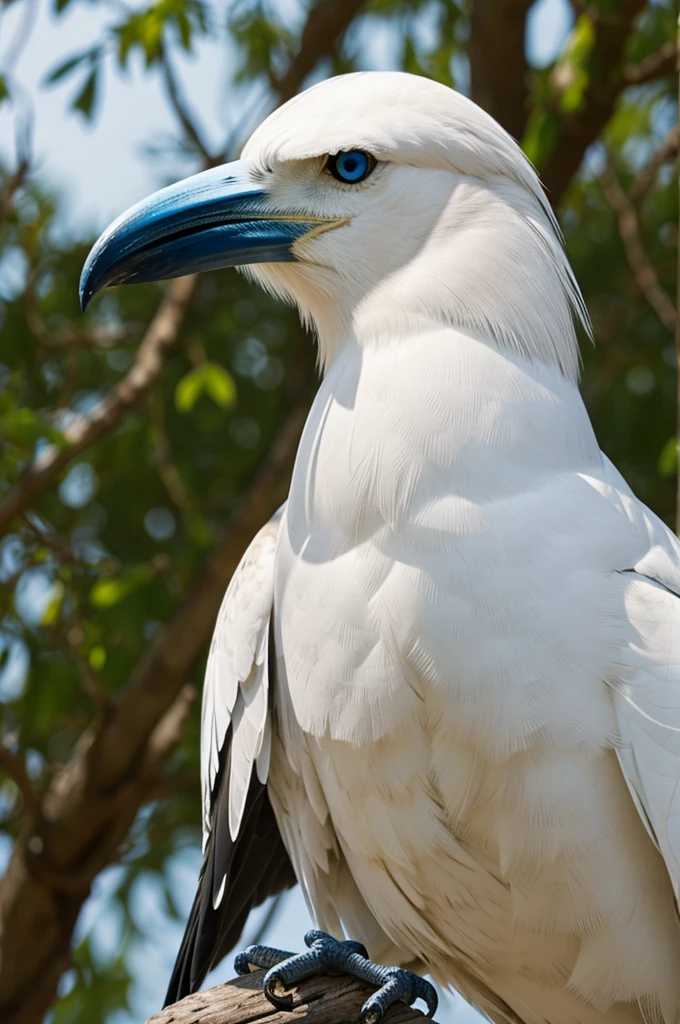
(87, 577)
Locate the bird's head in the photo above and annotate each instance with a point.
(379, 202)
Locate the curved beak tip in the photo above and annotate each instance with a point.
(218, 218)
(84, 293)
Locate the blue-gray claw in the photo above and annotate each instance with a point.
(327, 955)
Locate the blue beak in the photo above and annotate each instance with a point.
(219, 218)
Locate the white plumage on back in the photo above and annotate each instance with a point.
(475, 745)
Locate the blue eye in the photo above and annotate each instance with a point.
(351, 166)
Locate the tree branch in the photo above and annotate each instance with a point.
(77, 831)
(326, 24)
(160, 337)
(317, 1001)
(498, 69)
(636, 254)
(657, 65)
(580, 129)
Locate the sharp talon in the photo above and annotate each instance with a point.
(371, 1016)
(277, 993)
(429, 997)
(371, 1012)
(396, 984)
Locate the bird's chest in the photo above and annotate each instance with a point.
(419, 554)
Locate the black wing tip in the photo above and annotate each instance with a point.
(180, 984)
(256, 866)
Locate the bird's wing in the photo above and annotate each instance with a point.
(646, 682)
(244, 857)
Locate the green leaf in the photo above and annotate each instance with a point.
(572, 97)
(145, 30)
(580, 41)
(54, 603)
(220, 385)
(108, 592)
(97, 658)
(668, 459)
(22, 426)
(209, 378)
(66, 67)
(4, 90)
(541, 136)
(188, 390)
(86, 99)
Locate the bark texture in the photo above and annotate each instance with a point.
(317, 1001)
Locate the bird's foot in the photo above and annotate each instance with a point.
(327, 955)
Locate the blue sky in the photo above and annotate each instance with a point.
(99, 170)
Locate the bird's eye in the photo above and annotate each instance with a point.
(351, 166)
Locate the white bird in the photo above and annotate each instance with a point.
(451, 665)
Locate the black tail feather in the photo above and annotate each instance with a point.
(256, 866)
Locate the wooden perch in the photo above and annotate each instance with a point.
(317, 1001)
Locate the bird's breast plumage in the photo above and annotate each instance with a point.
(430, 506)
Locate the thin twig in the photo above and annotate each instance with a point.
(160, 337)
(668, 150)
(11, 186)
(656, 65)
(48, 538)
(167, 469)
(639, 262)
(181, 108)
